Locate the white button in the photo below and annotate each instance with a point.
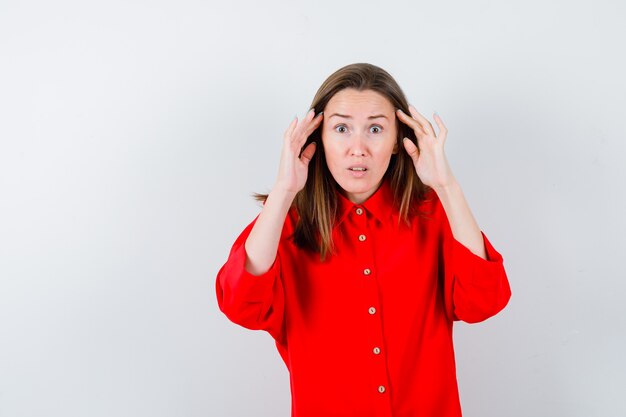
(361, 238)
(376, 350)
(359, 211)
(381, 388)
(372, 310)
(367, 271)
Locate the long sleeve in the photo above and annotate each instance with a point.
(474, 288)
(254, 302)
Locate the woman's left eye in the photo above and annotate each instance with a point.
(375, 129)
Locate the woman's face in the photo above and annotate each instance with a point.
(359, 136)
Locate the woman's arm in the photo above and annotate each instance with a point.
(262, 243)
(475, 283)
(462, 222)
(433, 169)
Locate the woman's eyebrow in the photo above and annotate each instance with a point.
(345, 116)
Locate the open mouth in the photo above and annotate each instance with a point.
(357, 169)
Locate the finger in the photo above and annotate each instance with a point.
(443, 130)
(428, 128)
(291, 128)
(314, 124)
(301, 127)
(308, 127)
(411, 149)
(411, 122)
(307, 153)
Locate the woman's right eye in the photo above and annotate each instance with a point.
(341, 129)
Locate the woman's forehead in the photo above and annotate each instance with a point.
(354, 103)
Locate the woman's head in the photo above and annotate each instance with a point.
(361, 91)
(360, 131)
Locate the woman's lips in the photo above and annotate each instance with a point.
(357, 171)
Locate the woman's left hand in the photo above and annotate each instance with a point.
(428, 156)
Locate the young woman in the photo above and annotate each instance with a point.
(364, 254)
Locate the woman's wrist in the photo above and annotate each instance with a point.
(447, 189)
(282, 193)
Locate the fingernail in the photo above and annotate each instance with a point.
(320, 113)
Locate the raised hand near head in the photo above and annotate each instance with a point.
(428, 156)
(294, 161)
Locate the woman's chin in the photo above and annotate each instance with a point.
(358, 191)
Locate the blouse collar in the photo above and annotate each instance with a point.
(380, 204)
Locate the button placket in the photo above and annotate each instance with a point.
(365, 251)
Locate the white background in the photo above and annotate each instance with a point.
(132, 134)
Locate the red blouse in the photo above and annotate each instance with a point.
(368, 332)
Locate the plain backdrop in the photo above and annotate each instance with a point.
(132, 134)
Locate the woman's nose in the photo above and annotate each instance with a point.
(357, 146)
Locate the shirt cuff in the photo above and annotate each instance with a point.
(244, 286)
(477, 271)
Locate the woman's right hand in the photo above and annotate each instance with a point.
(293, 168)
(262, 243)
